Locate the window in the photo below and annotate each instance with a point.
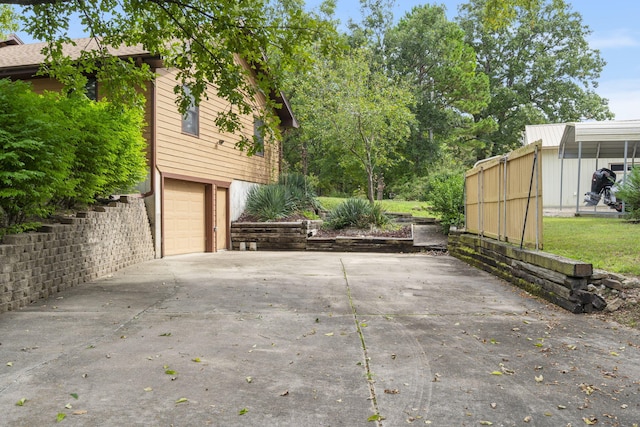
(190, 118)
(258, 135)
(91, 88)
(618, 168)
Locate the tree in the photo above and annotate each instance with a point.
(202, 39)
(430, 54)
(541, 70)
(8, 20)
(500, 13)
(353, 118)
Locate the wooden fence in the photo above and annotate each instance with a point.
(503, 197)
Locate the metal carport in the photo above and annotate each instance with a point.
(599, 140)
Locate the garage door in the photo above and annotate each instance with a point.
(184, 217)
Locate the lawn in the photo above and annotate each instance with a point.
(420, 209)
(607, 243)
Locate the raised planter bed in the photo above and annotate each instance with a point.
(301, 235)
(272, 236)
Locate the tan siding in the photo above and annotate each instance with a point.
(40, 85)
(203, 156)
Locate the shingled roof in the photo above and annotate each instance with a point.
(23, 57)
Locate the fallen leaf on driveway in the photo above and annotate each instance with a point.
(391, 391)
(590, 421)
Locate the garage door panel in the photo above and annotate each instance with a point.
(184, 217)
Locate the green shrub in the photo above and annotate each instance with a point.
(58, 150)
(630, 193)
(35, 160)
(109, 149)
(358, 213)
(446, 195)
(270, 202)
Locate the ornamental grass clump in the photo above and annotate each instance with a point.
(301, 191)
(357, 213)
(270, 202)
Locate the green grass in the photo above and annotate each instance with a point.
(607, 243)
(420, 209)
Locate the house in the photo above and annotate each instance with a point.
(564, 175)
(198, 181)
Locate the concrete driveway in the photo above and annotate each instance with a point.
(311, 339)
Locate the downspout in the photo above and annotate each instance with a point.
(152, 143)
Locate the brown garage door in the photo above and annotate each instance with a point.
(184, 217)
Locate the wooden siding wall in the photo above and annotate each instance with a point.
(496, 207)
(203, 156)
(39, 85)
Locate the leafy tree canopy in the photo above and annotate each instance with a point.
(429, 52)
(8, 20)
(540, 68)
(202, 39)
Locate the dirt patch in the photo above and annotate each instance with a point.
(403, 232)
(623, 304)
(245, 217)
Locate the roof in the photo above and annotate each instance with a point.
(11, 40)
(550, 134)
(601, 140)
(17, 57)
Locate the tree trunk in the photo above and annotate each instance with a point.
(380, 186)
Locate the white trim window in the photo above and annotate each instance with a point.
(191, 117)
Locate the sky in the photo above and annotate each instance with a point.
(615, 32)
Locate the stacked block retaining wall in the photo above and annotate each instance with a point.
(90, 245)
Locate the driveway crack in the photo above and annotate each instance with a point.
(365, 353)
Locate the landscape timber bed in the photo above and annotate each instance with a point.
(302, 236)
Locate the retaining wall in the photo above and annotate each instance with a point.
(272, 236)
(560, 280)
(90, 245)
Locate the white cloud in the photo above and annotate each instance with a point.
(614, 39)
(623, 96)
